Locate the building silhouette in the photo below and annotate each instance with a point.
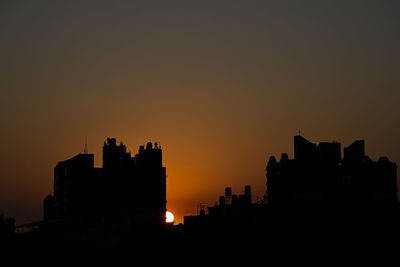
(232, 221)
(313, 201)
(319, 176)
(6, 230)
(115, 204)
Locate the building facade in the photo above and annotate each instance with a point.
(318, 175)
(124, 198)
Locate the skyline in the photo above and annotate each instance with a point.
(222, 86)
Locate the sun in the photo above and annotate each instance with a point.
(169, 217)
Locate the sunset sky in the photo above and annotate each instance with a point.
(222, 85)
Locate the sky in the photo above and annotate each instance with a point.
(222, 85)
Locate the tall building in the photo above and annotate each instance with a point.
(319, 176)
(6, 228)
(73, 180)
(317, 198)
(126, 197)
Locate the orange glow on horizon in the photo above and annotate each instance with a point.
(220, 100)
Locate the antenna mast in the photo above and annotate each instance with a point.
(85, 150)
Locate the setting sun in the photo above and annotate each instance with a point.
(169, 217)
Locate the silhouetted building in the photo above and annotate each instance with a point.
(124, 199)
(232, 205)
(115, 156)
(235, 219)
(318, 176)
(74, 182)
(49, 208)
(318, 197)
(355, 151)
(6, 229)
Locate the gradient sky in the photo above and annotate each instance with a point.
(222, 85)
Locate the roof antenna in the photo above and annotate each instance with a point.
(85, 150)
